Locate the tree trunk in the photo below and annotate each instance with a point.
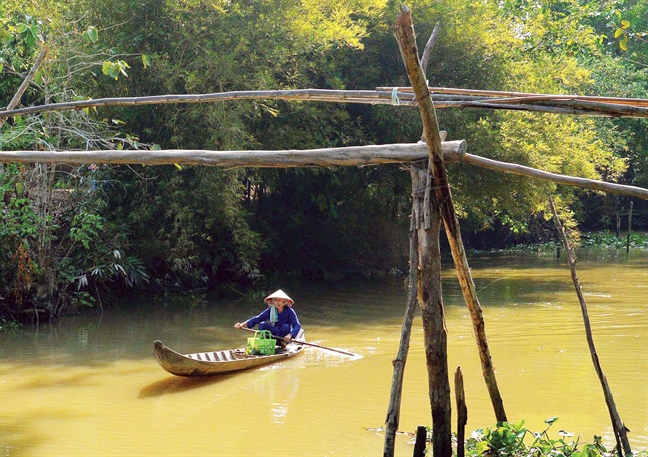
(409, 51)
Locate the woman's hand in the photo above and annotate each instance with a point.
(239, 325)
(288, 338)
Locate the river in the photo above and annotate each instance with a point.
(89, 386)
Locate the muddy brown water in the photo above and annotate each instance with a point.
(89, 386)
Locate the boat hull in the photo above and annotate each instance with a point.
(212, 363)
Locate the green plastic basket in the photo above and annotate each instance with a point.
(262, 343)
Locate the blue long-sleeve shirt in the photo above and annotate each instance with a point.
(287, 316)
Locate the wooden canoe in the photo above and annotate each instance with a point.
(217, 362)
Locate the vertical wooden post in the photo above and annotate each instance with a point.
(393, 411)
(620, 430)
(629, 228)
(435, 335)
(421, 441)
(617, 216)
(462, 412)
(407, 44)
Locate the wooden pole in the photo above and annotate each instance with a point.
(430, 299)
(543, 103)
(629, 228)
(409, 52)
(462, 412)
(617, 217)
(393, 410)
(421, 441)
(453, 152)
(620, 430)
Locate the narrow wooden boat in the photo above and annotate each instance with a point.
(217, 362)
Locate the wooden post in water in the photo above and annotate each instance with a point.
(620, 430)
(421, 441)
(407, 44)
(617, 216)
(430, 298)
(393, 411)
(424, 284)
(462, 412)
(629, 228)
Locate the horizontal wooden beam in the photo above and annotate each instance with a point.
(453, 152)
(398, 96)
(583, 183)
(347, 156)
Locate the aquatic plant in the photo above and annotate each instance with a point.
(509, 439)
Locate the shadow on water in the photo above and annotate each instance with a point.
(177, 384)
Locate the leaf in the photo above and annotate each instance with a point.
(618, 33)
(92, 34)
(178, 166)
(146, 61)
(623, 43)
(551, 420)
(625, 24)
(5, 36)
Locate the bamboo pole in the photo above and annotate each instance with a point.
(371, 97)
(620, 430)
(409, 52)
(497, 93)
(560, 104)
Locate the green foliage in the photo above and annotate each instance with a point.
(8, 326)
(606, 239)
(508, 439)
(177, 228)
(53, 238)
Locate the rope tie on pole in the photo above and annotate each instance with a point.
(394, 96)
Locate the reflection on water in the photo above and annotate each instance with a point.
(90, 386)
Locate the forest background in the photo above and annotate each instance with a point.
(76, 236)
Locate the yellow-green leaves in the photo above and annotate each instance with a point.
(146, 60)
(5, 37)
(114, 69)
(621, 32)
(623, 43)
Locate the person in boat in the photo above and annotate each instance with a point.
(278, 317)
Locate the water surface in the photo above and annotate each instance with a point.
(88, 385)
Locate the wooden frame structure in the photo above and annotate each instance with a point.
(432, 200)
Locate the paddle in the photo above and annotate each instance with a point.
(306, 343)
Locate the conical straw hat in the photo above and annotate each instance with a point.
(279, 294)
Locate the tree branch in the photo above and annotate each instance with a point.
(23, 87)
